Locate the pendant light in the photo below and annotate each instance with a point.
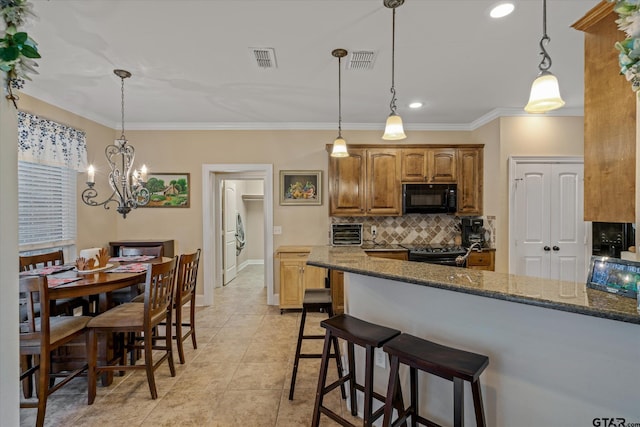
(393, 130)
(339, 145)
(545, 92)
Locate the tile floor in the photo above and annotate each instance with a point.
(239, 376)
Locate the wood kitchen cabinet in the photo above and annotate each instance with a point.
(429, 165)
(296, 276)
(369, 181)
(336, 279)
(365, 183)
(485, 260)
(347, 184)
(609, 122)
(470, 173)
(383, 195)
(401, 255)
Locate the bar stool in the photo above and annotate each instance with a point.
(446, 362)
(315, 300)
(367, 335)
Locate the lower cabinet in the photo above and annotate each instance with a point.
(296, 276)
(401, 255)
(337, 290)
(484, 260)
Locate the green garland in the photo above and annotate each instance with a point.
(629, 56)
(17, 49)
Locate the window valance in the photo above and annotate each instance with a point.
(45, 141)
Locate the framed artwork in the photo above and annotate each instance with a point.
(168, 190)
(614, 275)
(300, 187)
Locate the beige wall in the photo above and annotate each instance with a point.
(96, 226)
(9, 372)
(530, 136)
(187, 151)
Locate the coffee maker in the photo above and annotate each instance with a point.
(472, 231)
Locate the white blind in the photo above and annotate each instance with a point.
(46, 205)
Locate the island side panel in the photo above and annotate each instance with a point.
(547, 367)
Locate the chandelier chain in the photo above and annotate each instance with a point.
(122, 105)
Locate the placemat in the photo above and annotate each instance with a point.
(135, 258)
(45, 271)
(130, 268)
(55, 281)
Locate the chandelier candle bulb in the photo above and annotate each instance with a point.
(91, 174)
(143, 174)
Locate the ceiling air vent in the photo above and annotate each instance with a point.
(361, 60)
(265, 57)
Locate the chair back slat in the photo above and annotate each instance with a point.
(34, 289)
(159, 288)
(187, 275)
(157, 251)
(31, 262)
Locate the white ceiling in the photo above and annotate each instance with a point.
(192, 67)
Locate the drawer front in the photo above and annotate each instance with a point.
(479, 259)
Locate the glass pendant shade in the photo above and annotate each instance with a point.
(339, 148)
(394, 131)
(545, 94)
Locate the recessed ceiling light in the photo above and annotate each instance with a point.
(501, 10)
(415, 105)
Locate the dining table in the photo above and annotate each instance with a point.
(67, 282)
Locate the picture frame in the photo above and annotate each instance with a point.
(168, 190)
(300, 187)
(618, 276)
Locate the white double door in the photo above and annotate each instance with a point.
(548, 228)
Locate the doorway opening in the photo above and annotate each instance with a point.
(249, 177)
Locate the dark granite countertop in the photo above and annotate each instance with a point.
(553, 294)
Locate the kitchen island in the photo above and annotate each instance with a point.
(560, 354)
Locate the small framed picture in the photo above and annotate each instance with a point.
(301, 187)
(614, 275)
(168, 190)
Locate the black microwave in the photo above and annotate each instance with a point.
(429, 198)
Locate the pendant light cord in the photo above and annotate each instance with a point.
(392, 104)
(339, 97)
(545, 64)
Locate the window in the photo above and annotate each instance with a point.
(46, 206)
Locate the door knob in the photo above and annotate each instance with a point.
(547, 248)
(555, 248)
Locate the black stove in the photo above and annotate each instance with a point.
(434, 254)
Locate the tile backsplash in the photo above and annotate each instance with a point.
(415, 228)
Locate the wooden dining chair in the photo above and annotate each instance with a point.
(40, 335)
(63, 306)
(134, 318)
(186, 293)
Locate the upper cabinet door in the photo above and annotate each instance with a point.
(347, 184)
(383, 182)
(470, 181)
(442, 165)
(437, 165)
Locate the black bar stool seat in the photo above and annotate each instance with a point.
(446, 362)
(367, 335)
(314, 300)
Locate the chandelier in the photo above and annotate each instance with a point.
(128, 186)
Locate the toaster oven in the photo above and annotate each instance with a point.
(346, 234)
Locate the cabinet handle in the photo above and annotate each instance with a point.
(547, 248)
(555, 248)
